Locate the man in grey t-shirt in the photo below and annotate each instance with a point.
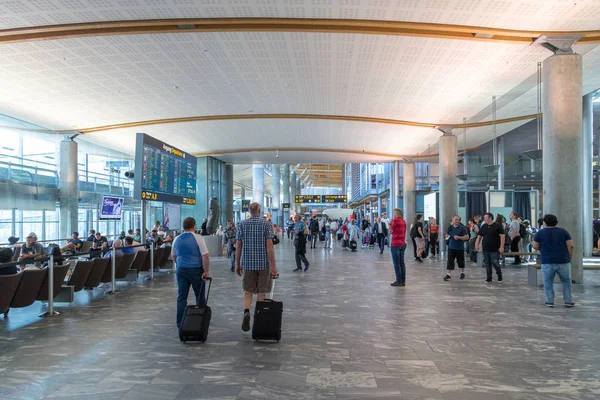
(513, 233)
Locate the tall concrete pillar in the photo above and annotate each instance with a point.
(409, 196)
(276, 192)
(258, 184)
(588, 174)
(285, 174)
(69, 191)
(563, 149)
(229, 192)
(396, 182)
(500, 145)
(448, 146)
(299, 192)
(293, 192)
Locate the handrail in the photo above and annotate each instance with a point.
(53, 240)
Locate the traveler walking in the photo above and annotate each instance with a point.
(398, 246)
(418, 236)
(314, 232)
(380, 231)
(300, 244)
(457, 234)
(434, 230)
(474, 231)
(353, 235)
(327, 228)
(333, 228)
(556, 247)
(230, 234)
(190, 255)
(290, 228)
(490, 241)
(526, 239)
(254, 259)
(514, 234)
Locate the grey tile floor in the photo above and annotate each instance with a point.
(347, 335)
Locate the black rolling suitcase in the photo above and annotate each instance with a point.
(196, 320)
(267, 318)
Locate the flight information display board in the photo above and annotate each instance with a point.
(334, 198)
(163, 172)
(309, 198)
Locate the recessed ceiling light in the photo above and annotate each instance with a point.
(175, 87)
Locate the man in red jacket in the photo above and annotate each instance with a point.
(398, 246)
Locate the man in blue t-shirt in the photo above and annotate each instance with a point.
(456, 235)
(556, 247)
(190, 255)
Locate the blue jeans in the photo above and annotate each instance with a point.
(398, 260)
(564, 272)
(185, 278)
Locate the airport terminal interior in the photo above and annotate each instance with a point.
(355, 134)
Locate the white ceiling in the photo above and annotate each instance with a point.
(84, 82)
(508, 14)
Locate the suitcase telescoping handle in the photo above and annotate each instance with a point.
(209, 279)
(273, 286)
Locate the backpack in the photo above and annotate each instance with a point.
(314, 225)
(522, 231)
(413, 231)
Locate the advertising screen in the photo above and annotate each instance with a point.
(163, 172)
(111, 207)
(430, 206)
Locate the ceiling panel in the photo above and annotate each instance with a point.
(509, 14)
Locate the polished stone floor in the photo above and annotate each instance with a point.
(347, 335)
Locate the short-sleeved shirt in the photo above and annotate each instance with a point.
(300, 226)
(100, 242)
(76, 242)
(417, 226)
(490, 235)
(189, 248)
(398, 229)
(254, 233)
(459, 231)
(553, 245)
(37, 248)
(514, 228)
(434, 228)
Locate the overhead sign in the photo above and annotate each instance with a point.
(245, 205)
(286, 206)
(163, 173)
(335, 198)
(309, 198)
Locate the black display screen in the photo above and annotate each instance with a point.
(309, 198)
(335, 199)
(163, 172)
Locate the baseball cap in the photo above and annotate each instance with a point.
(32, 235)
(13, 240)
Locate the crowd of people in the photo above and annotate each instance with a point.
(250, 248)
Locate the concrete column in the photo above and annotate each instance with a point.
(276, 192)
(299, 192)
(588, 174)
(258, 184)
(229, 192)
(563, 149)
(293, 192)
(448, 146)
(409, 198)
(500, 145)
(396, 181)
(69, 192)
(285, 174)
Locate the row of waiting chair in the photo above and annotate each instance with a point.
(23, 289)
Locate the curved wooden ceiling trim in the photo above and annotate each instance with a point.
(406, 157)
(371, 27)
(290, 116)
